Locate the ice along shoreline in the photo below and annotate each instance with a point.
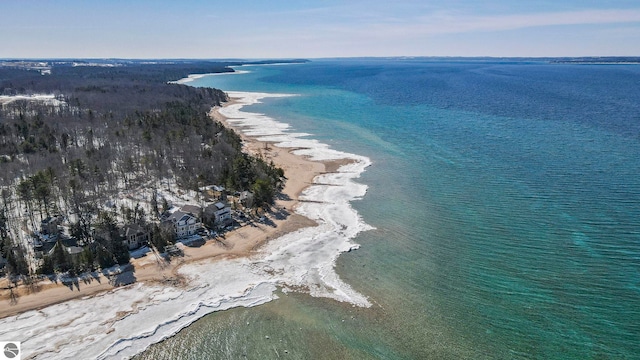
(326, 201)
(147, 314)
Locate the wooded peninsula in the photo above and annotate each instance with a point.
(76, 135)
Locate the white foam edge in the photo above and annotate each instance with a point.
(126, 321)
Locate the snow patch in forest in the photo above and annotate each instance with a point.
(48, 99)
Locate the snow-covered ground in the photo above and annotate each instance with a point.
(48, 99)
(123, 322)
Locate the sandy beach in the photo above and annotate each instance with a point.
(242, 242)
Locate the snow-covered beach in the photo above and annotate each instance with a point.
(126, 320)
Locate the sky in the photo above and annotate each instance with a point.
(146, 29)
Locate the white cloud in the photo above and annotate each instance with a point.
(450, 23)
(387, 27)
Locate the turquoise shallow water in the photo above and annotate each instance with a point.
(506, 201)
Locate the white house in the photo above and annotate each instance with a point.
(185, 224)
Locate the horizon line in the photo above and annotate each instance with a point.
(319, 58)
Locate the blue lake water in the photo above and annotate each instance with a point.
(506, 202)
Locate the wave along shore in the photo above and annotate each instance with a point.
(125, 321)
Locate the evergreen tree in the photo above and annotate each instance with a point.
(87, 259)
(161, 237)
(60, 258)
(47, 266)
(104, 257)
(109, 236)
(16, 257)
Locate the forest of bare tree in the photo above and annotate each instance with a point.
(99, 131)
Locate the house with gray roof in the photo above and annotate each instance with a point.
(185, 224)
(218, 214)
(134, 236)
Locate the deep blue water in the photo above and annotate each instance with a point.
(506, 201)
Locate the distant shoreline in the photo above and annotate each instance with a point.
(193, 77)
(580, 62)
